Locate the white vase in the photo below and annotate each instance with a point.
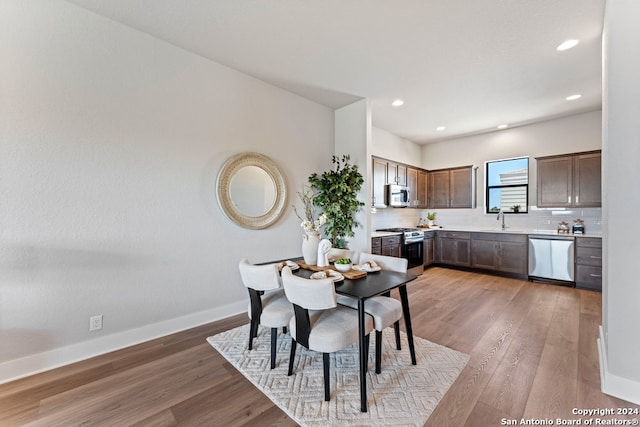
(310, 247)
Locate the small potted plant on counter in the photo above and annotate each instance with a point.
(431, 217)
(515, 208)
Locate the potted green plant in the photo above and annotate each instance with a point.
(431, 217)
(515, 208)
(336, 195)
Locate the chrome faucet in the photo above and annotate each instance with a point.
(498, 219)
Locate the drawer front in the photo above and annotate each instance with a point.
(391, 240)
(589, 277)
(454, 234)
(589, 256)
(589, 242)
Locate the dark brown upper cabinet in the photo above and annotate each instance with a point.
(452, 188)
(396, 173)
(571, 180)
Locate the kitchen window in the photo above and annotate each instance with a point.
(507, 185)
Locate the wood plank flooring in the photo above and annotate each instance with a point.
(532, 346)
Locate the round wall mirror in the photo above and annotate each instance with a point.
(251, 190)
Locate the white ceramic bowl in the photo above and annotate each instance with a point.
(343, 268)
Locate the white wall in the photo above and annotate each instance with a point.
(619, 344)
(352, 137)
(110, 143)
(390, 146)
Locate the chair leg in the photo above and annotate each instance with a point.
(396, 328)
(378, 351)
(253, 332)
(325, 364)
(291, 356)
(274, 344)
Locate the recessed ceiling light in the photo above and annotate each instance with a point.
(567, 44)
(397, 103)
(503, 126)
(573, 97)
(441, 128)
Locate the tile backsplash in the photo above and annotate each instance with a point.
(535, 219)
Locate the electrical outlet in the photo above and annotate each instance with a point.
(95, 323)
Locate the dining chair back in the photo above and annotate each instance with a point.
(385, 262)
(319, 323)
(268, 305)
(386, 311)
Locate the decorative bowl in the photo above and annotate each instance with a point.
(343, 268)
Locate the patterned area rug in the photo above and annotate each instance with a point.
(402, 395)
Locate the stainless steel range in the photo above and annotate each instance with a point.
(411, 249)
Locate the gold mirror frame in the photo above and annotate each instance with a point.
(223, 190)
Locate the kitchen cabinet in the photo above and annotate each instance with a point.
(572, 180)
(505, 253)
(391, 246)
(388, 172)
(454, 248)
(589, 263)
(396, 173)
(412, 183)
(452, 188)
(378, 183)
(423, 189)
(376, 245)
(428, 249)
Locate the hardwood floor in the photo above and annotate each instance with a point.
(532, 346)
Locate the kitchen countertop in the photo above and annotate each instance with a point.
(493, 230)
(385, 233)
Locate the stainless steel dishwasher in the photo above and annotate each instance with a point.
(552, 258)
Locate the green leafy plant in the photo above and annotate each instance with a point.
(515, 208)
(344, 261)
(336, 194)
(431, 216)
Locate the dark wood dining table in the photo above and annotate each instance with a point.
(373, 284)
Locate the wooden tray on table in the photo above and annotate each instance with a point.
(351, 274)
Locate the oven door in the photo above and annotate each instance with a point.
(413, 252)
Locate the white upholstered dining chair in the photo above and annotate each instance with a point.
(319, 323)
(268, 305)
(386, 311)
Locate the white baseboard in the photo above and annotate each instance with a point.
(612, 384)
(30, 365)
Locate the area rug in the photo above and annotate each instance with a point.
(402, 395)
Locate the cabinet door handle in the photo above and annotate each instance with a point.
(577, 199)
(595, 257)
(595, 275)
(569, 199)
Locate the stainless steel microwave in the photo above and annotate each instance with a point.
(397, 196)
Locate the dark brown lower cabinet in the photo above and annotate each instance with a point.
(391, 246)
(589, 263)
(387, 245)
(505, 253)
(376, 245)
(454, 248)
(428, 247)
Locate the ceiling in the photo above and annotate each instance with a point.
(469, 65)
